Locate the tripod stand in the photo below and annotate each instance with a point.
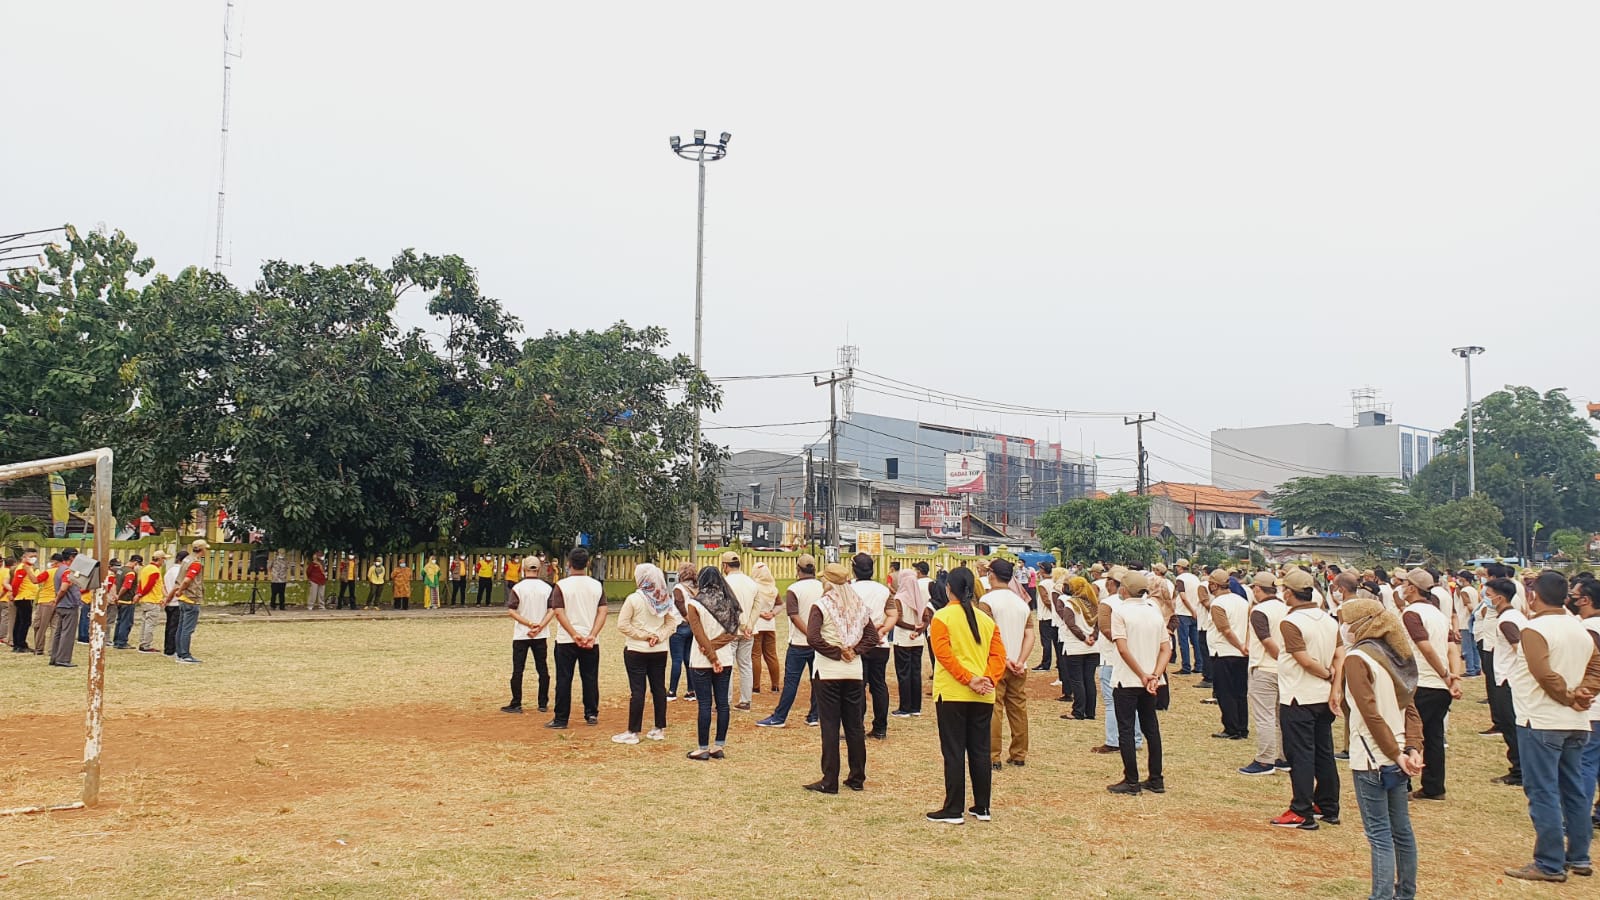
(255, 598)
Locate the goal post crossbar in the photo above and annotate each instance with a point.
(104, 527)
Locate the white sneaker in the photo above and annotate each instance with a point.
(1056, 683)
(627, 737)
(656, 734)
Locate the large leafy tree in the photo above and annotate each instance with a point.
(1375, 511)
(1536, 461)
(1103, 529)
(1460, 529)
(592, 432)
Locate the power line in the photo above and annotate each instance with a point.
(1009, 408)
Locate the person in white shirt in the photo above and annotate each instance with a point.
(1586, 603)
(880, 603)
(1008, 604)
(714, 616)
(768, 608)
(1501, 657)
(1438, 678)
(1188, 591)
(578, 605)
(1466, 598)
(1077, 617)
(1143, 649)
(528, 606)
(911, 598)
(1045, 604)
(1229, 659)
(647, 621)
(1266, 643)
(745, 590)
(1554, 684)
(1107, 650)
(798, 600)
(1308, 667)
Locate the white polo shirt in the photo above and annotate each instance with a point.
(533, 601)
(1188, 589)
(1237, 612)
(875, 596)
(806, 593)
(1140, 623)
(581, 597)
(1012, 615)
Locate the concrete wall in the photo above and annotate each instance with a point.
(1264, 458)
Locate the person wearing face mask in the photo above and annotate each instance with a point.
(24, 592)
(1500, 659)
(1438, 677)
(1587, 608)
(1308, 667)
(1380, 679)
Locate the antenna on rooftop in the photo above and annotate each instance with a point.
(229, 54)
(849, 358)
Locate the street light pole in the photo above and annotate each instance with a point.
(1466, 354)
(700, 152)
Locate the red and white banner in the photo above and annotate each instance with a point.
(963, 473)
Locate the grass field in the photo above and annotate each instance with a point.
(369, 759)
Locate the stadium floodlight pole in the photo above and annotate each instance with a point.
(699, 152)
(1466, 354)
(104, 526)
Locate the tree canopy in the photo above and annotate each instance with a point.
(1536, 462)
(1099, 529)
(303, 406)
(1376, 511)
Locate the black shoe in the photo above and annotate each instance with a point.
(544, 709)
(1223, 736)
(821, 788)
(1154, 785)
(947, 818)
(1185, 671)
(877, 735)
(1508, 780)
(1019, 763)
(718, 754)
(591, 720)
(1202, 683)
(513, 708)
(698, 755)
(1329, 820)
(554, 724)
(995, 766)
(856, 785)
(65, 665)
(1125, 787)
(982, 815)
(1343, 755)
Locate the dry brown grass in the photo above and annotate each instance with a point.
(369, 759)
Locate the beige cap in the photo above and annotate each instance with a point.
(159, 554)
(1182, 562)
(529, 563)
(1218, 575)
(1298, 580)
(1159, 568)
(730, 558)
(1420, 578)
(1134, 581)
(199, 546)
(1119, 574)
(1264, 579)
(806, 561)
(1097, 569)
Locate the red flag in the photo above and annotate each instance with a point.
(144, 505)
(1191, 517)
(222, 515)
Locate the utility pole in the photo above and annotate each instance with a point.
(1466, 354)
(811, 504)
(1144, 464)
(831, 538)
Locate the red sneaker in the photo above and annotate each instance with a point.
(1292, 819)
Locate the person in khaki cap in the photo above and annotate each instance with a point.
(1265, 646)
(1308, 668)
(1436, 647)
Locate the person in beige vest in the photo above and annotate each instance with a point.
(1007, 603)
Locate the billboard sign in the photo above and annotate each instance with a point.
(941, 517)
(963, 473)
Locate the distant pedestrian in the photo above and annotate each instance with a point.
(401, 579)
(126, 597)
(485, 581)
(881, 607)
(149, 599)
(915, 616)
(377, 576)
(458, 581)
(278, 575)
(169, 603)
(744, 590)
(647, 621)
(430, 584)
(1308, 667)
(678, 646)
(529, 608)
(1438, 681)
(349, 571)
(24, 596)
(316, 583)
(190, 593)
(1077, 626)
(768, 608)
(798, 600)
(1139, 633)
(68, 608)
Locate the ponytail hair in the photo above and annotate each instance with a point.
(960, 587)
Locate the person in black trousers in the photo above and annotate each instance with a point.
(458, 582)
(964, 638)
(1077, 614)
(875, 661)
(840, 630)
(169, 635)
(913, 624)
(1502, 711)
(1044, 605)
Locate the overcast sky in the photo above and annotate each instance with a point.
(1228, 213)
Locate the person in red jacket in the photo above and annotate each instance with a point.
(317, 587)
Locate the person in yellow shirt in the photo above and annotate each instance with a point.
(148, 596)
(24, 591)
(972, 658)
(430, 584)
(513, 574)
(377, 575)
(6, 612)
(349, 573)
(485, 580)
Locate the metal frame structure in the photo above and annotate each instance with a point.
(699, 152)
(104, 525)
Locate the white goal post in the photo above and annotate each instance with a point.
(104, 527)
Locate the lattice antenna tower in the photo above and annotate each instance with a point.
(849, 358)
(230, 52)
(1365, 399)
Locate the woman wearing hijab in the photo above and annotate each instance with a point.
(840, 629)
(971, 656)
(680, 642)
(1380, 683)
(1077, 614)
(713, 614)
(766, 630)
(648, 621)
(914, 619)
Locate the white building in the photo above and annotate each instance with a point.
(1266, 457)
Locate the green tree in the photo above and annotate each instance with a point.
(1102, 529)
(591, 432)
(14, 527)
(1574, 545)
(1536, 460)
(1460, 529)
(1375, 511)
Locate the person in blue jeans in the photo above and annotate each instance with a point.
(1380, 678)
(1553, 688)
(797, 603)
(1586, 604)
(678, 644)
